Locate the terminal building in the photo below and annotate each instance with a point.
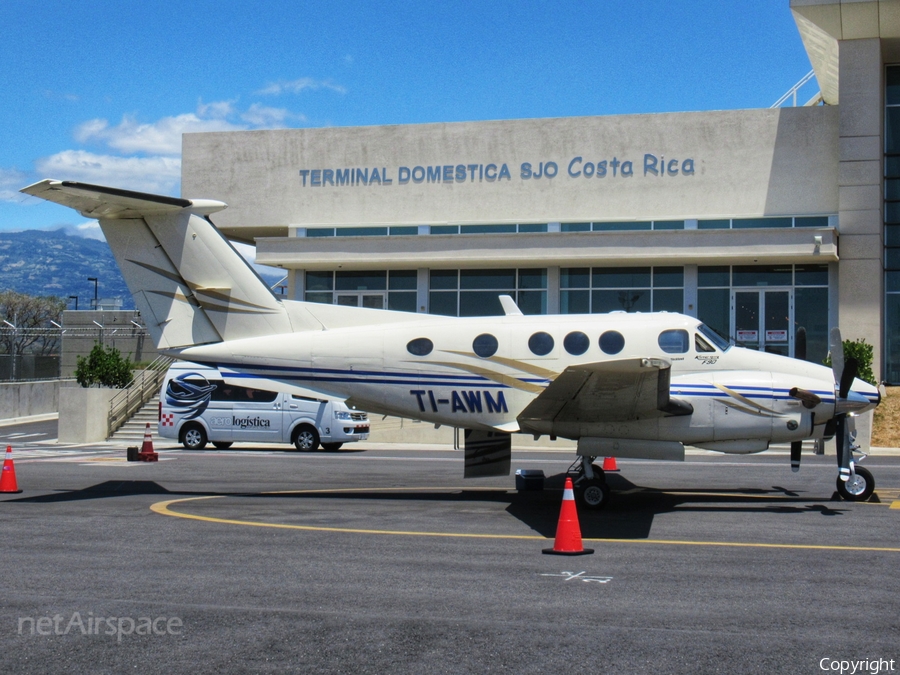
(759, 222)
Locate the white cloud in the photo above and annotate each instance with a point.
(11, 181)
(299, 85)
(89, 230)
(147, 174)
(262, 116)
(162, 137)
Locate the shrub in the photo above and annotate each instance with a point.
(864, 354)
(103, 366)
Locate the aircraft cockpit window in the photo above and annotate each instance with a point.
(576, 343)
(612, 342)
(674, 341)
(714, 337)
(485, 345)
(702, 345)
(541, 343)
(420, 346)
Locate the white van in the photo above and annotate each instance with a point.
(196, 406)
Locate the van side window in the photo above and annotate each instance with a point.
(673, 341)
(227, 392)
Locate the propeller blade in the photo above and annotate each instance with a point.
(847, 376)
(842, 441)
(795, 455)
(800, 344)
(836, 345)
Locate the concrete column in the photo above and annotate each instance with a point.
(861, 284)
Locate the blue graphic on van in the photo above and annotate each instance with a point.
(190, 398)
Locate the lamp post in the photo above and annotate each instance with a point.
(12, 350)
(94, 279)
(75, 298)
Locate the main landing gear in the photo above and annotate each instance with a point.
(589, 482)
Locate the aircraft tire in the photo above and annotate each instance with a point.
(306, 438)
(193, 437)
(859, 488)
(331, 447)
(593, 494)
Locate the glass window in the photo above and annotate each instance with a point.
(540, 343)
(892, 235)
(485, 345)
(811, 314)
(668, 224)
(402, 280)
(445, 229)
(531, 279)
(892, 130)
(362, 231)
(402, 301)
(612, 342)
(668, 300)
(320, 281)
(480, 303)
(443, 280)
(575, 302)
(673, 341)
(672, 277)
(360, 281)
(892, 167)
(621, 226)
(576, 343)
(494, 279)
(320, 232)
(714, 275)
(811, 275)
(621, 277)
(816, 221)
(742, 223)
(762, 275)
(575, 277)
(443, 303)
(892, 211)
(892, 258)
(420, 346)
(321, 298)
(532, 302)
(532, 227)
(575, 227)
(892, 85)
(701, 345)
(714, 337)
(892, 337)
(404, 229)
(487, 229)
(892, 282)
(714, 308)
(632, 300)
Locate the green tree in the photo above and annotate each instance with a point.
(103, 366)
(864, 354)
(31, 316)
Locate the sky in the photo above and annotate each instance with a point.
(100, 91)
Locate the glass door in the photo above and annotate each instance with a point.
(761, 319)
(362, 299)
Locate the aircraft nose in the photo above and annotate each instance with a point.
(862, 397)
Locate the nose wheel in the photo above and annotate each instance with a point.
(859, 487)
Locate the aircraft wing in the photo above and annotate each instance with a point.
(606, 391)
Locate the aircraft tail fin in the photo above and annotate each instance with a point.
(190, 284)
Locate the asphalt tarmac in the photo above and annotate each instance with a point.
(379, 559)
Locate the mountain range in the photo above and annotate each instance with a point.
(53, 262)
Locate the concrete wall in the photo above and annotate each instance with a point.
(23, 399)
(745, 163)
(119, 331)
(84, 414)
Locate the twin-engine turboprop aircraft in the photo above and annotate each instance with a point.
(623, 385)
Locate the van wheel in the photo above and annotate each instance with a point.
(193, 437)
(222, 445)
(331, 447)
(306, 438)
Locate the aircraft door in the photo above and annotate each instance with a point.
(762, 319)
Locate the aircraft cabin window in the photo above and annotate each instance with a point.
(702, 345)
(420, 346)
(612, 342)
(674, 341)
(485, 345)
(541, 343)
(576, 343)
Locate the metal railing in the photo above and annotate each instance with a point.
(792, 93)
(141, 389)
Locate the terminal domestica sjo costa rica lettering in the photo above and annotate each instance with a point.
(578, 167)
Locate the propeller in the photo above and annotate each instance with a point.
(845, 428)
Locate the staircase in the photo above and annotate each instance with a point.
(132, 432)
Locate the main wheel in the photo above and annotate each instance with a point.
(193, 437)
(306, 438)
(222, 445)
(860, 486)
(331, 447)
(594, 494)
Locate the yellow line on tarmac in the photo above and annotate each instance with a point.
(162, 508)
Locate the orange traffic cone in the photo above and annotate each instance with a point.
(147, 454)
(609, 464)
(568, 532)
(8, 475)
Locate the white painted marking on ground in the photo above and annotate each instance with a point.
(580, 576)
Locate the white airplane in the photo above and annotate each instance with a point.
(622, 385)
